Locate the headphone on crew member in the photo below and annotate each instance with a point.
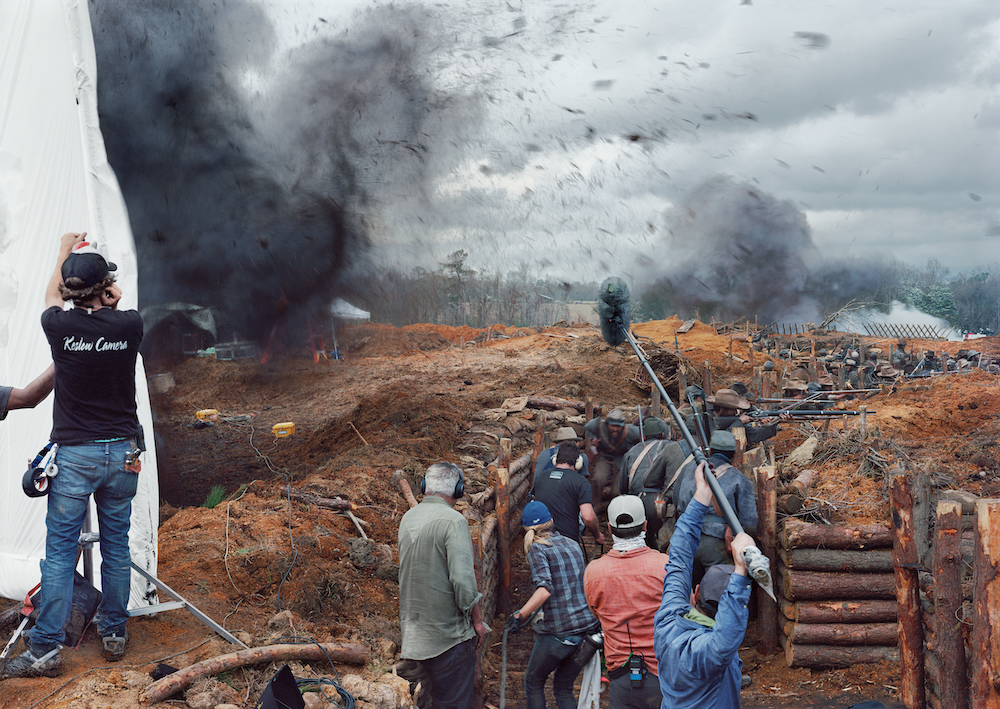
(578, 465)
(459, 486)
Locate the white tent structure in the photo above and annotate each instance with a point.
(342, 310)
(54, 178)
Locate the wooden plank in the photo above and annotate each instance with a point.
(923, 508)
(954, 683)
(986, 616)
(688, 324)
(740, 434)
(833, 656)
(905, 559)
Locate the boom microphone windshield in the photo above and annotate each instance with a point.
(614, 311)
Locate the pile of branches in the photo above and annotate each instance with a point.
(875, 456)
(666, 364)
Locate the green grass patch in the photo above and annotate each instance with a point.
(216, 495)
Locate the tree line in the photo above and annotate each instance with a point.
(455, 294)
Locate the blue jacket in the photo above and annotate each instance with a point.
(699, 666)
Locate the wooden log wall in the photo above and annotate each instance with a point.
(499, 509)
(958, 670)
(836, 594)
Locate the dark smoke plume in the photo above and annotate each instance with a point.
(739, 250)
(736, 251)
(245, 173)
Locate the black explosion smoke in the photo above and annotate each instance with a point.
(245, 172)
(736, 251)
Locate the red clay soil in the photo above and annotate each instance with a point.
(402, 399)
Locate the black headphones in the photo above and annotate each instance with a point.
(459, 486)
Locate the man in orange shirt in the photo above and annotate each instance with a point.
(624, 589)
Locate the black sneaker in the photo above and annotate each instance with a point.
(32, 663)
(113, 646)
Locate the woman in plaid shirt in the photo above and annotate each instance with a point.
(557, 574)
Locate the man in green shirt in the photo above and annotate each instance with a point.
(439, 615)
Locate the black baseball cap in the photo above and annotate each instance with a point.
(87, 264)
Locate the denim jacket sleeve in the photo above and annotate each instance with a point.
(676, 600)
(712, 652)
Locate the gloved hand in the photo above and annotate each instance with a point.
(514, 623)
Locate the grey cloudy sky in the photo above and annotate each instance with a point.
(585, 123)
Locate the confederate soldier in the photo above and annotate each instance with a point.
(612, 437)
(656, 454)
(739, 491)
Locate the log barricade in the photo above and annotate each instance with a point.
(836, 594)
(958, 611)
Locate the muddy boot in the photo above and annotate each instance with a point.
(33, 663)
(113, 646)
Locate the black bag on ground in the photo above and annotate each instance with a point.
(82, 610)
(282, 692)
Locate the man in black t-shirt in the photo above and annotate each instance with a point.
(566, 494)
(95, 424)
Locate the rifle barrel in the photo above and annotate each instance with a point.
(799, 413)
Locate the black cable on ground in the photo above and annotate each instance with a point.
(349, 701)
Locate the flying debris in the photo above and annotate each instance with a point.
(974, 197)
(814, 40)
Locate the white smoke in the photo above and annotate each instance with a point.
(902, 318)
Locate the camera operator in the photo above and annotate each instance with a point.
(94, 348)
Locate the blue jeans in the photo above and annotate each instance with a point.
(98, 469)
(552, 654)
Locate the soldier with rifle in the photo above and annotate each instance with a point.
(730, 411)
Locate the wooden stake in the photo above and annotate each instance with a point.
(950, 645)
(740, 434)
(706, 378)
(986, 596)
(911, 627)
(503, 526)
(539, 445)
(359, 433)
(767, 610)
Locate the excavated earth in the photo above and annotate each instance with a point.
(400, 400)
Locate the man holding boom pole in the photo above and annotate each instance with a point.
(697, 646)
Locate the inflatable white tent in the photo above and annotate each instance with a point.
(54, 178)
